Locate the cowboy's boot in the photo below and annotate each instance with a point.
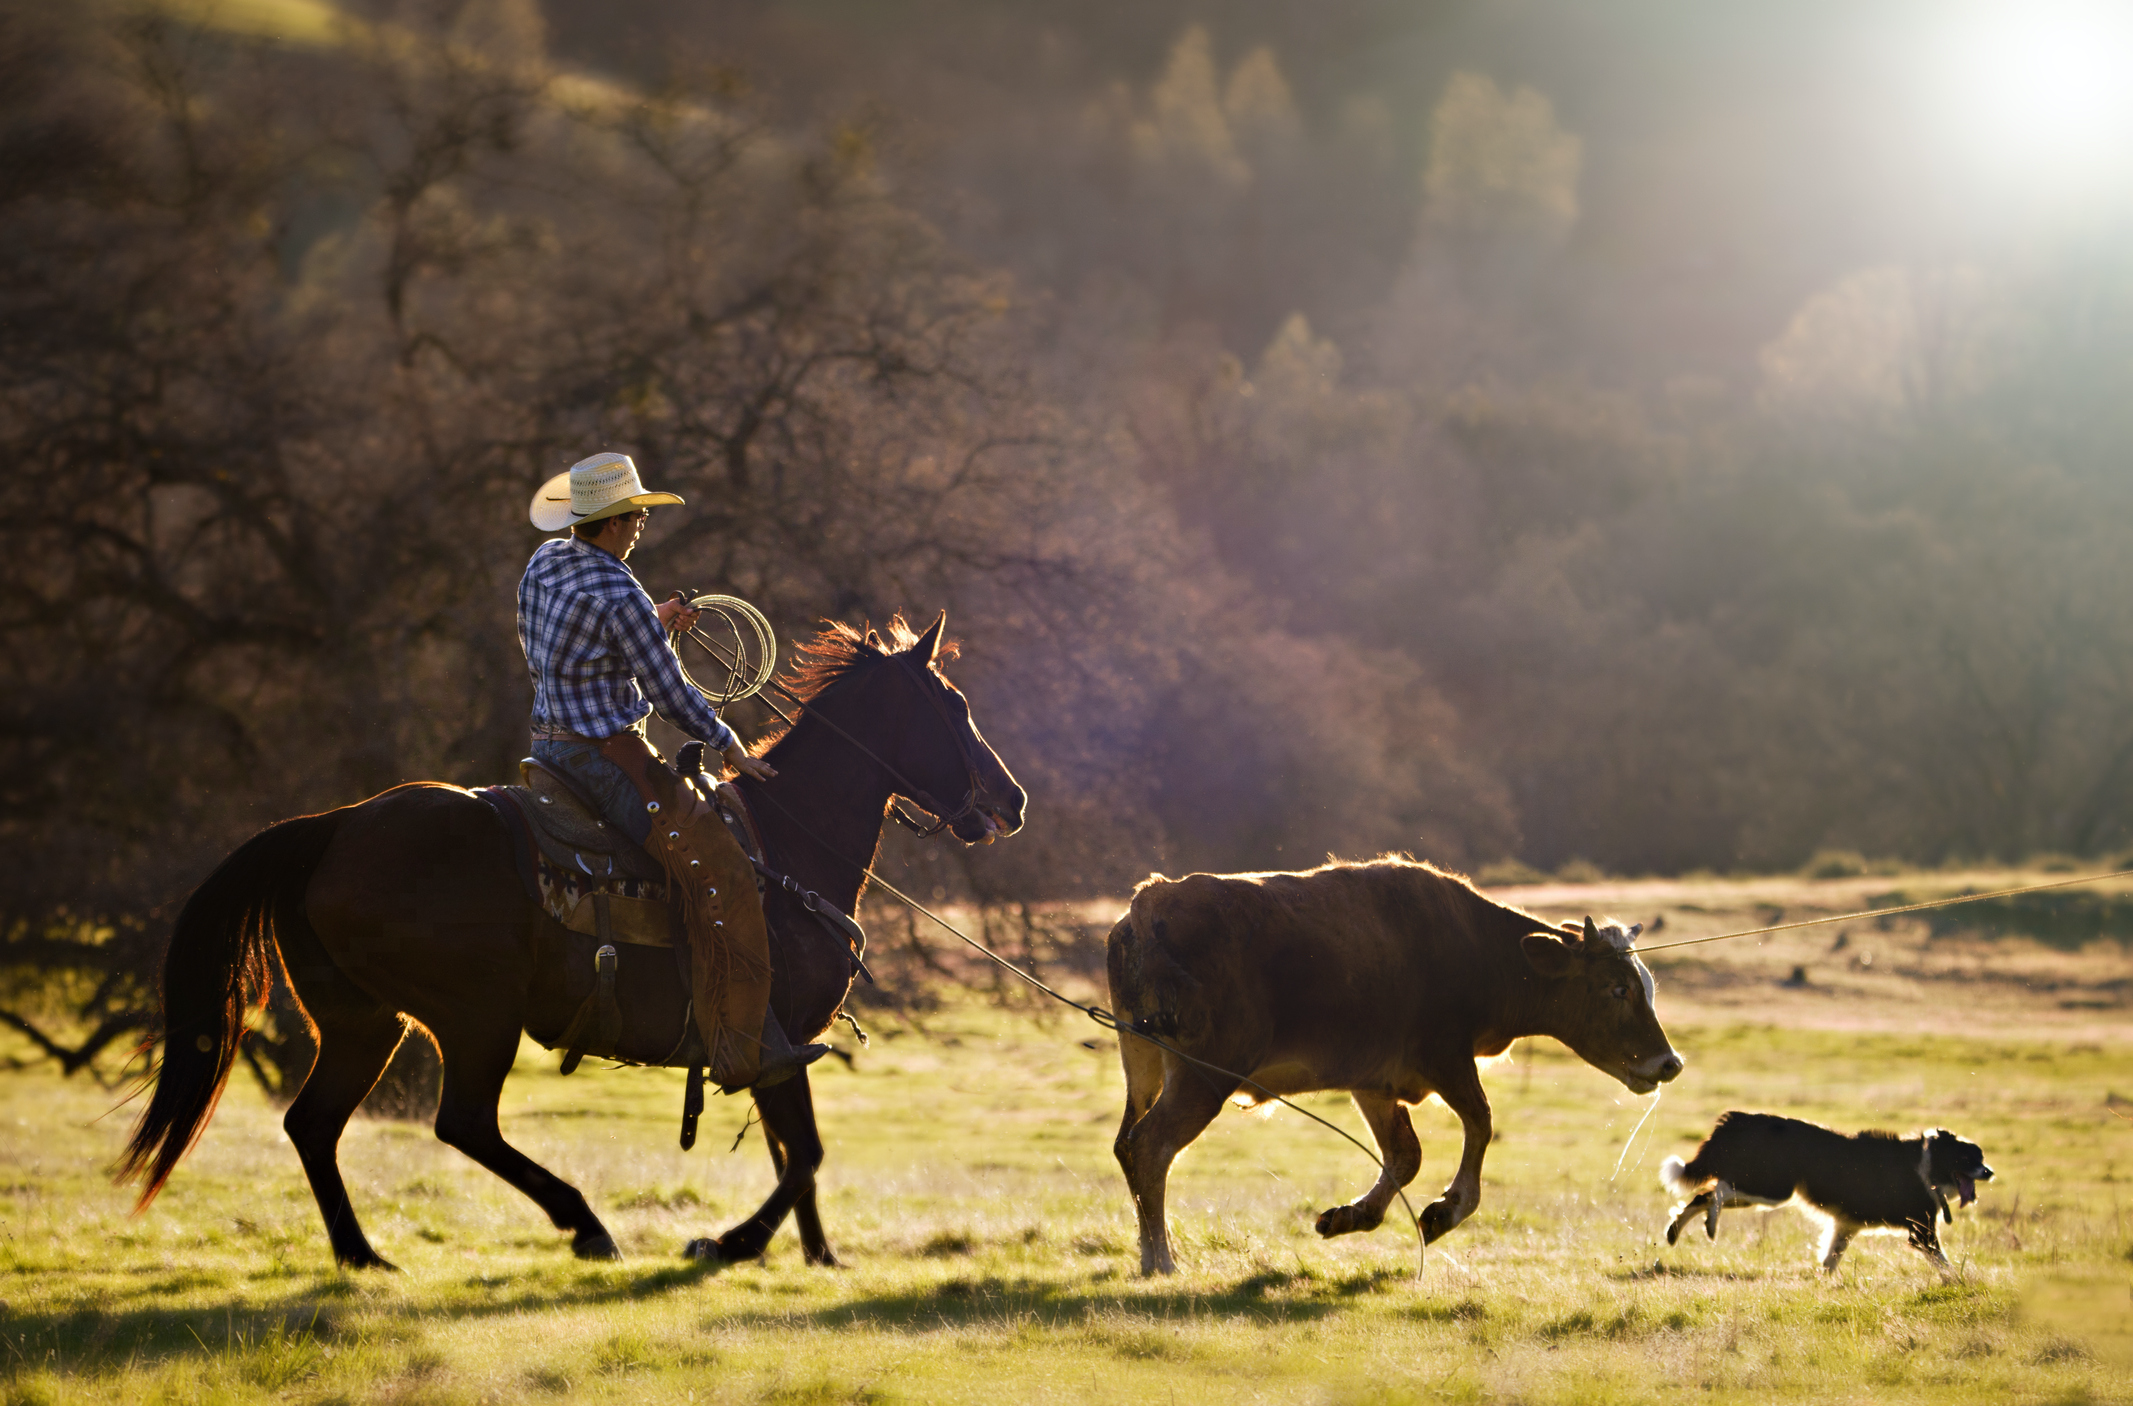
(780, 1059)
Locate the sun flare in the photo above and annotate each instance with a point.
(2042, 90)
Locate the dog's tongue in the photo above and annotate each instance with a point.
(1965, 1190)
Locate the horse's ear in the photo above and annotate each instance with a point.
(929, 644)
(874, 642)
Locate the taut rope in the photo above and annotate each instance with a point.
(1891, 912)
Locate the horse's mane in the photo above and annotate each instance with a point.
(838, 651)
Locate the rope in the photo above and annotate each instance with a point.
(1892, 912)
(742, 679)
(1111, 1022)
(1103, 1017)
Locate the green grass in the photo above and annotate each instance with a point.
(990, 1256)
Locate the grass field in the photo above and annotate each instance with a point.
(989, 1245)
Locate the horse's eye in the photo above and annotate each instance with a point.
(1622, 993)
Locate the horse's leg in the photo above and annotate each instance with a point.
(478, 1048)
(356, 1040)
(788, 1111)
(806, 1215)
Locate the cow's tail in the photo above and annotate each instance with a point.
(1146, 979)
(220, 965)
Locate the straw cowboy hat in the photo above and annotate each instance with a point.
(595, 488)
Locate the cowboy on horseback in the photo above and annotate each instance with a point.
(599, 655)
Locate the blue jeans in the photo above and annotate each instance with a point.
(599, 781)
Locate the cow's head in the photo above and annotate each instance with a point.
(1600, 1001)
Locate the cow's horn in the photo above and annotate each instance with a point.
(1592, 934)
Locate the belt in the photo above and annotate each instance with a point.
(544, 732)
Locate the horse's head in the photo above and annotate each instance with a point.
(890, 700)
(964, 781)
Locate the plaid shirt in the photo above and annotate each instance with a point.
(595, 648)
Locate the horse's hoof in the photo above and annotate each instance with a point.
(597, 1246)
(702, 1248)
(741, 1244)
(374, 1260)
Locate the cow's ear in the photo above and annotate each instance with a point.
(1548, 954)
(1570, 929)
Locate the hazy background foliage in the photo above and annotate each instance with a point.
(1489, 430)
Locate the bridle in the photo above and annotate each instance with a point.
(919, 795)
(905, 786)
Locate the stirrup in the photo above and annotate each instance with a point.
(780, 1059)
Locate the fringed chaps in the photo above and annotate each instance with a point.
(712, 880)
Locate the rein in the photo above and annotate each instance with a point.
(919, 795)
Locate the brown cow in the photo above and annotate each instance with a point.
(1387, 979)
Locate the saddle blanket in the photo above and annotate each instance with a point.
(637, 910)
(572, 871)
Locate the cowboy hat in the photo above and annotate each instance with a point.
(599, 487)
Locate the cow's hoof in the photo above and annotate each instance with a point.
(701, 1248)
(1345, 1220)
(825, 1258)
(1673, 1234)
(595, 1245)
(1438, 1218)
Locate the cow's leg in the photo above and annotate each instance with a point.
(478, 1049)
(1686, 1212)
(1401, 1156)
(1189, 1101)
(1717, 1197)
(1144, 1084)
(1463, 1095)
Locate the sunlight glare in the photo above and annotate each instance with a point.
(2042, 91)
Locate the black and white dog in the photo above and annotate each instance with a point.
(1863, 1182)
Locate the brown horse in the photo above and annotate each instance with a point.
(408, 907)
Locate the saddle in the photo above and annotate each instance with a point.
(588, 875)
(595, 881)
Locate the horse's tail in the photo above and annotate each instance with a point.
(220, 963)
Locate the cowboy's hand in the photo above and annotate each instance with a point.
(674, 614)
(738, 758)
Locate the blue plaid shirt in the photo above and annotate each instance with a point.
(595, 649)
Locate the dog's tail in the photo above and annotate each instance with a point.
(1674, 1176)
